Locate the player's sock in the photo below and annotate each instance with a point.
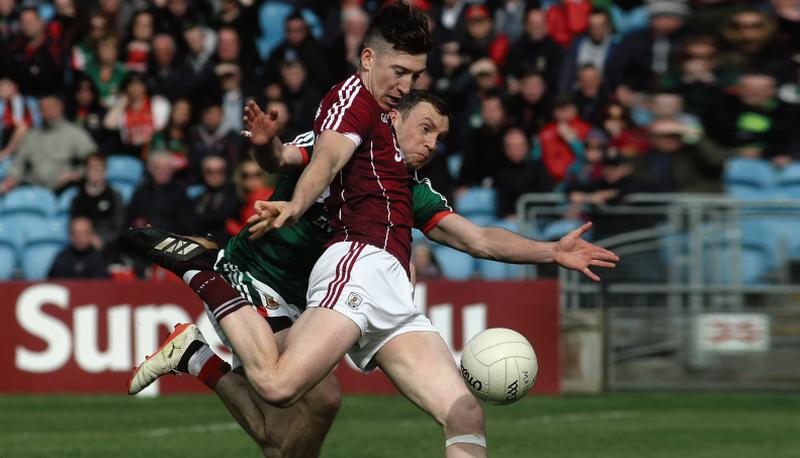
(201, 361)
(221, 298)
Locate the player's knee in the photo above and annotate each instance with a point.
(465, 417)
(330, 398)
(275, 392)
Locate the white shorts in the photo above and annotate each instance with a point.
(265, 300)
(369, 286)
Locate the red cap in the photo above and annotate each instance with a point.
(478, 12)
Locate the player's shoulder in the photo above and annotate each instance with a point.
(350, 94)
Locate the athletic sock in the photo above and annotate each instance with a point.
(201, 361)
(220, 297)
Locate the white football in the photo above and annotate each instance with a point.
(499, 366)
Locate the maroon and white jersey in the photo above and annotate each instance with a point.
(370, 198)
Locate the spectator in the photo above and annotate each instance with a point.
(33, 59)
(233, 96)
(530, 108)
(701, 76)
(346, 49)
(585, 175)
(589, 96)
(681, 162)
(566, 19)
(209, 139)
(519, 174)
(97, 201)
(17, 114)
(483, 152)
(626, 138)
(229, 51)
(198, 76)
(592, 48)
(450, 18)
(107, 71)
(140, 37)
(756, 123)
(51, 155)
(252, 184)
(481, 40)
(9, 22)
(560, 143)
(172, 16)
(509, 18)
(621, 176)
(218, 204)
(300, 45)
(644, 56)
(165, 72)
(669, 105)
(136, 116)
(86, 50)
(84, 109)
(535, 51)
(159, 200)
(174, 137)
(301, 96)
(752, 36)
(424, 262)
(118, 13)
(234, 15)
(82, 258)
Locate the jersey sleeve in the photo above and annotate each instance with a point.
(428, 205)
(305, 143)
(350, 114)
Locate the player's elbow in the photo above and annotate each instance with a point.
(479, 248)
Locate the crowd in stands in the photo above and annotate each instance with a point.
(594, 99)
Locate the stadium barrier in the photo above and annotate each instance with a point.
(86, 336)
(705, 295)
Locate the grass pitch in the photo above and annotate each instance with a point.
(653, 425)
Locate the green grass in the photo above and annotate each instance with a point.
(653, 425)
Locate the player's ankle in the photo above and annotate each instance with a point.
(201, 361)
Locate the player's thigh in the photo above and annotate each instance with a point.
(314, 345)
(423, 369)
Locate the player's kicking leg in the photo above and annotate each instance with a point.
(422, 368)
(315, 343)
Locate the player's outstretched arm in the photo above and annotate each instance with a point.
(331, 153)
(571, 252)
(261, 129)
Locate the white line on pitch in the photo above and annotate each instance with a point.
(209, 428)
(582, 416)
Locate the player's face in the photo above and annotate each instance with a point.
(391, 74)
(418, 133)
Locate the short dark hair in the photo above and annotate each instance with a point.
(416, 96)
(405, 29)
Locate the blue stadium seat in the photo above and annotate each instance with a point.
(10, 243)
(482, 220)
(454, 162)
(29, 200)
(4, 164)
(749, 179)
(125, 190)
(65, 201)
(454, 264)
(125, 169)
(195, 190)
(42, 244)
(789, 181)
(26, 222)
(418, 236)
(493, 270)
(477, 201)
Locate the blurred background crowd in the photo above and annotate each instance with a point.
(126, 113)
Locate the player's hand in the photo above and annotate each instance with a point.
(271, 215)
(260, 127)
(572, 252)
